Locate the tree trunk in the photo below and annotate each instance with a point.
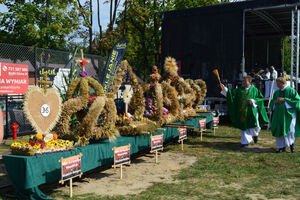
(47, 23)
(99, 24)
(156, 37)
(91, 28)
(110, 11)
(145, 61)
(125, 13)
(114, 14)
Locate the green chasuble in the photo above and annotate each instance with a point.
(282, 117)
(242, 114)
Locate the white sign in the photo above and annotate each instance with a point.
(59, 81)
(45, 110)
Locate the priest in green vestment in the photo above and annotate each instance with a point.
(285, 125)
(246, 110)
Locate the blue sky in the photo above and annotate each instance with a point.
(104, 13)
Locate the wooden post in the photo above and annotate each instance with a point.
(182, 145)
(156, 156)
(121, 172)
(201, 135)
(71, 188)
(126, 108)
(214, 131)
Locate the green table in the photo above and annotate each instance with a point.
(28, 172)
(209, 119)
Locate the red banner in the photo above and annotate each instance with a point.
(70, 167)
(13, 78)
(215, 121)
(157, 142)
(182, 133)
(122, 154)
(202, 124)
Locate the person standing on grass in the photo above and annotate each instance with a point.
(285, 125)
(246, 110)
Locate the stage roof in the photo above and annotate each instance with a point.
(263, 17)
(204, 38)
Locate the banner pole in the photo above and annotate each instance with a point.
(155, 156)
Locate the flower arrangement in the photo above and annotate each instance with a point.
(41, 144)
(124, 120)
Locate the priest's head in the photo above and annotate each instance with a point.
(281, 82)
(247, 81)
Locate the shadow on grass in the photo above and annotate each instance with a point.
(216, 136)
(231, 146)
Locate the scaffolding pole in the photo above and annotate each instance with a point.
(292, 46)
(297, 58)
(295, 32)
(243, 55)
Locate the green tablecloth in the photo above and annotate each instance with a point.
(28, 172)
(209, 119)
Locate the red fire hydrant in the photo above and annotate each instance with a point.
(14, 129)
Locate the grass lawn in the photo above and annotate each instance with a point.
(224, 171)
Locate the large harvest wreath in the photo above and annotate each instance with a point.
(87, 110)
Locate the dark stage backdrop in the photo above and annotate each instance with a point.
(202, 42)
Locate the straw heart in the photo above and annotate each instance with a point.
(42, 109)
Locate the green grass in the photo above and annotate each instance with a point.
(224, 171)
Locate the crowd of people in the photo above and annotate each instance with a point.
(267, 74)
(247, 111)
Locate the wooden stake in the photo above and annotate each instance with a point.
(182, 145)
(156, 156)
(214, 131)
(121, 172)
(201, 135)
(71, 188)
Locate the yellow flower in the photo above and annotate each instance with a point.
(39, 136)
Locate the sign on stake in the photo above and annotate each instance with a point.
(157, 144)
(121, 157)
(182, 136)
(215, 123)
(70, 168)
(202, 126)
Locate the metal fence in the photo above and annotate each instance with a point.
(36, 58)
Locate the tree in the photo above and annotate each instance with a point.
(41, 23)
(286, 51)
(98, 17)
(86, 12)
(182, 4)
(114, 4)
(140, 24)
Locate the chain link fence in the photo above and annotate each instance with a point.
(37, 58)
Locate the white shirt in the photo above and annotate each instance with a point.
(267, 75)
(274, 74)
(224, 92)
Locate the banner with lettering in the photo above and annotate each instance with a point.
(113, 63)
(121, 155)
(182, 133)
(13, 78)
(70, 167)
(202, 124)
(215, 121)
(157, 142)
(51, 72)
